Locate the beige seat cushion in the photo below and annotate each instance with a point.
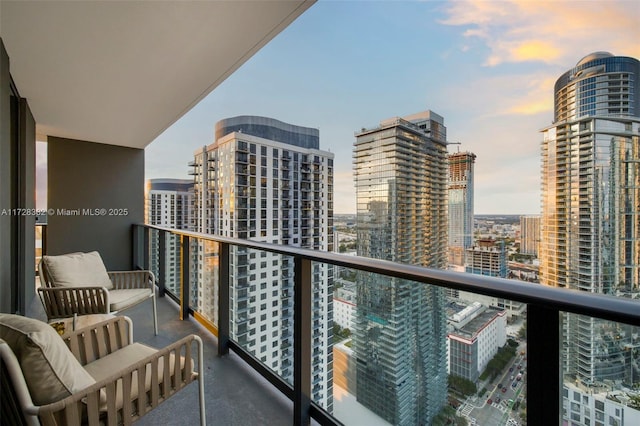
(77, 270)
(49, 368)
(104, 367)
(120, 299)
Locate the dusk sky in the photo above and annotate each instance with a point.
(488, 67)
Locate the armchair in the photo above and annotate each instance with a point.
(79, 284)
(99, 377)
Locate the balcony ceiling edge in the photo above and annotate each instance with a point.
(121, 73)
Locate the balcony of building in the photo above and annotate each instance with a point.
(241, 387)
(98, 121)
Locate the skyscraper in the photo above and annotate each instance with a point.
(168, 204)
(400, 337)
(590, 220)
(529, 235)
(460, 189)
(268, 181)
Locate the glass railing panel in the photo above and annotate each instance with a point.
(170, 254)
(409, 353)
(40, 233)
(204, 275)
(499, 325)
(261, 307)
(154, 249)
(323, 334)
(600, 363)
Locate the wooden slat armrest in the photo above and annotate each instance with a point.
(65, 302)
(71, 407)
(98, 340)
(132, 279)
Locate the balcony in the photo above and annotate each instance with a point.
(241, 388)
(229, 382)
(545, 309)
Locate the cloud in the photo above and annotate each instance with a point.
(547, 31)
(493, 97)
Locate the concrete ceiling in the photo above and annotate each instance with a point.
(121, 72)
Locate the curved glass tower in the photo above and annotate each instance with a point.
(590, 224)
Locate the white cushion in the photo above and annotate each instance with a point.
(48, 366)
(124, 298)
(77, 270)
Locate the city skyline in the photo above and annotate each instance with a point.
(480, 64)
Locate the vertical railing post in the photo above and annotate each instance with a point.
(146, 248)
(136, 247)
(185, 258)
(162, 263)
(544, 376)
(43, 233)
(302, 341)
(223, 298)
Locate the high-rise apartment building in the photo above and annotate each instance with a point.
(400, 331)
(590, 224)
(476, 332)
(268, 181)
(488, 257)
(530, 235)
(168, 204)
(460, 188)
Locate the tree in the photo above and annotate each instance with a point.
(448, 416)
(461, 385)
(522, 333)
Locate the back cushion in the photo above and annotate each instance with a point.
(77, 270)
(48, 366)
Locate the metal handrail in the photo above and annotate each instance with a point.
(544, 307)
(596, 305)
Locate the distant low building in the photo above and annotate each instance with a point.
(344, 368)
(476, 332)
(488, 257)
(599, 405)
(344, 305)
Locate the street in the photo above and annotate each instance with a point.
(494, 408)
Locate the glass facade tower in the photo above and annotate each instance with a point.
(590, 223)
(400, 337)
(460, 205)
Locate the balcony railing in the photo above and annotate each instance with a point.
(205, 291)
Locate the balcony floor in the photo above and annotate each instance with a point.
(235, 393)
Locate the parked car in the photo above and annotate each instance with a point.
(489, 401)
(504, 389)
